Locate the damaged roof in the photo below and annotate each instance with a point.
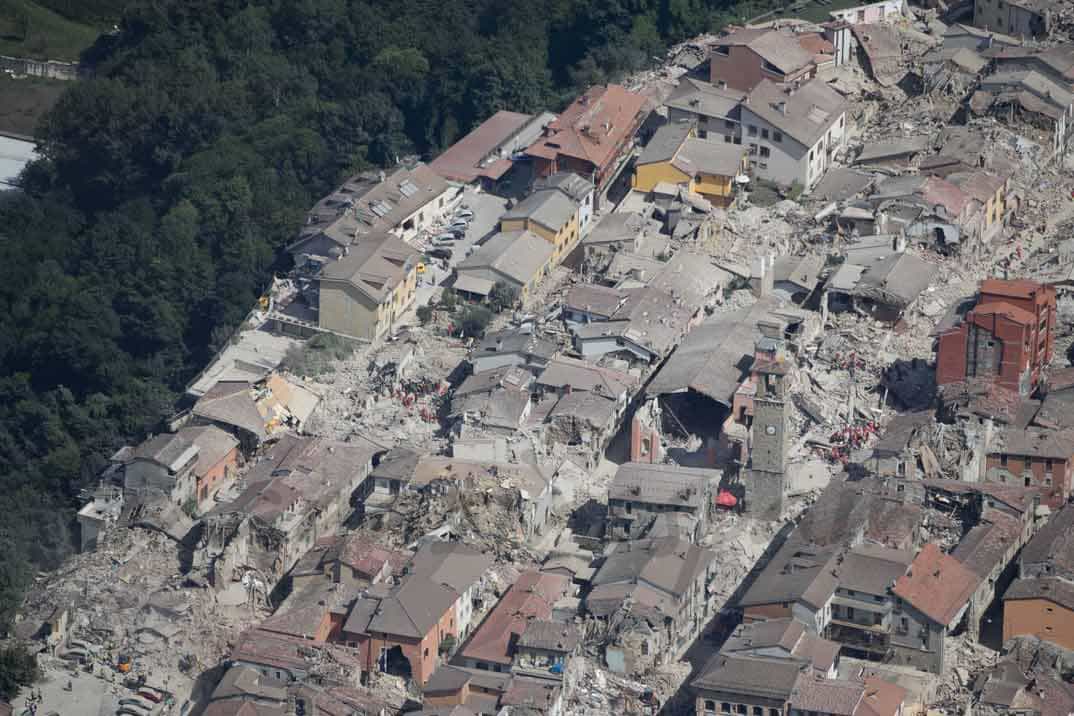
(530, 597)
(1054, 542)
(779, 48)
(714, 357)
(662, 484)
(896, 280)
(937, 585)
(651, 575)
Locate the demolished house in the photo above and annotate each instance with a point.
(299, 491)
(1036, 105)
(884, 289)
(641, 493)
(650, 599)
(254, 412)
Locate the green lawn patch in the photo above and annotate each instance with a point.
(28, 29)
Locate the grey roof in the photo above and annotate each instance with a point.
(984, 547)
(596, 299)
(397, 464)
(578, 375)
(1054, 542)
(569, 183)
(452, 564)
(649, 318)
(550, 636)
(550, 209)
(1034, 442)
(230, 402)
(585, 407)
(508, 376)
(1053, 589)
(810, 110)
(514, 340)
(375, 265)
(755, 676)
(716, 158)
(783, 633)
(1032, 90)
(714, 356)
(665, 143)
(802, 271)
(704, 98)
(168, 449)
(797, 572)
(213, 445)
(775, 46)
(619, 226)
(364, 204)
(662, 484)
(958, 29)
(516, 254)
(840, 184)
(873, 569)
(664, 567)
(897, 280)
(892, 148)
(413, 608)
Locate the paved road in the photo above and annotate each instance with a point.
(487, 212)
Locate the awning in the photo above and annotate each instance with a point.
(474, 285)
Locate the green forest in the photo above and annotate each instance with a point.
(170, 180)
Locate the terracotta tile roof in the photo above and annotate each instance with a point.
(463, 160)
(1019, 288)
(530, 597)
(937, 585)
(881, 698)
(593, 126)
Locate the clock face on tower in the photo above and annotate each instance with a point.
(771, 429)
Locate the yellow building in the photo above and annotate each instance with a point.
(550, 214)
(364, 293)
(988, 189)
(520, 259)
(675, 156)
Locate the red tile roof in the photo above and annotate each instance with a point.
(530, 597)
(942, 192)
(592, 128)
(1018, 315)
(462, 160)
(881, 698)
(936, 585)
(1019, 288)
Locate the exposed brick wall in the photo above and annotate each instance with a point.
(1054, 481)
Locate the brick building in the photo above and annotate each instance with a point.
(1034, 457)
(1008, 334)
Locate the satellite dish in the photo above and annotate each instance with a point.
(742, 179)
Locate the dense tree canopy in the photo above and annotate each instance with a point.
(170, 180)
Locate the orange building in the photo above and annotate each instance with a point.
(1043, 608)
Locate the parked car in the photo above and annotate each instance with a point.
(459, 224)
(464, 213)
(439, 253)
(446, 236)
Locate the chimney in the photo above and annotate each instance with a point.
(723, 84)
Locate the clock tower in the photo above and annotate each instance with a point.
(766, 475)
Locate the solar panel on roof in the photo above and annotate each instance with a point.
(377, 209)
(408, 188)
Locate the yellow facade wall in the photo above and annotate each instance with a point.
(648, 176)
(1038, 617)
